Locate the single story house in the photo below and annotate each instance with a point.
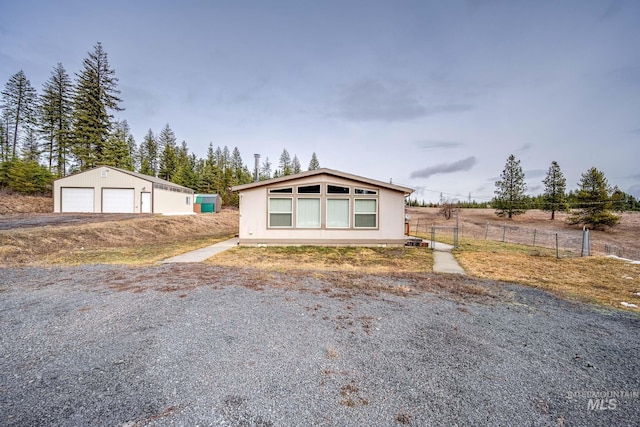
(107, 189)
(322, 207)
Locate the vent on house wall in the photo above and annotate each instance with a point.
(103, 173)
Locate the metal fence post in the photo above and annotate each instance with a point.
(504, 231)
(433, 237)
(535, 230)
(557, 254)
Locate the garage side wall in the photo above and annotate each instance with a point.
(98, 179)
(172, 202)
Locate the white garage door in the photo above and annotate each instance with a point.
(118, 200)
(77, 200)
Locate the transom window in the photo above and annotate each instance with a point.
(309, 189)
(337, 189)
(281, 190)
(365, 191)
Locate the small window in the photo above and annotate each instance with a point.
(366, 213)
(337, 189)
(280, 212)
(281, 190)
(309, 189)
(188, 200)
(365, 191)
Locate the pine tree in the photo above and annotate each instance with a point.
(55, 119)
(168, 157)
(148, 155)
(594, 201)
(314, 163)
(555, 186)
(295, 165)
(265, 170)
(510, 198)
(19, 104)
(285, 163)
(31, 149)
(95, 99)
(120, 147)
(185, 168)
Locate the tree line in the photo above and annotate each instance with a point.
(592, 203)
(70, 127)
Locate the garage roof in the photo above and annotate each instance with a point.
(153, 179)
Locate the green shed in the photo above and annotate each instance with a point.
(207, 203)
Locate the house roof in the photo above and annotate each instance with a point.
(149, 178)
(324, 171)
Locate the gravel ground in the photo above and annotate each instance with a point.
(32, 220)
(200, 345)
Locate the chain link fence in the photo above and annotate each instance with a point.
(565, 243)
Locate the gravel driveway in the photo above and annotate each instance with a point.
(200, 345)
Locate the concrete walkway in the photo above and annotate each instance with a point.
(443, 260)
(200, 255)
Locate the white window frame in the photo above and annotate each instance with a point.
(298, 211)
(356, 213)
(279, 212)
(328, 199)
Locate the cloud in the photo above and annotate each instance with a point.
(525, 147)
(460, 165)
(612, 9)
(634, 190)
(372, 100)
(427, 144)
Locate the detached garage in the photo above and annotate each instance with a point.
(107, 189)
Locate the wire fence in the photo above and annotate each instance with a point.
(565, 243)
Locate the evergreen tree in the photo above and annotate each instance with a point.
(31, 149)
(285, 163)
(295, 165)
(265, 170)
(55, 119)
(185, 168)
(169, 156)
(19, 104)
(593, 201)
(510, 198)
(148, 155)
(120, 147)
(314, 163)
(95, 99)
(25, 176)
(555, 186)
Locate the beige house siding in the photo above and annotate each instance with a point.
(254, 213)
(163, 200)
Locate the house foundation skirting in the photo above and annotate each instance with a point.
(320, 242)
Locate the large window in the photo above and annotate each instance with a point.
(308, 213)
(337, 213)
(280, 212)
(366, 213)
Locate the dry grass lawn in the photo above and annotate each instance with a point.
(135, 241)
(595, 279)
(344, 259)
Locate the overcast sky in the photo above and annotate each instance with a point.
(434, 95)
